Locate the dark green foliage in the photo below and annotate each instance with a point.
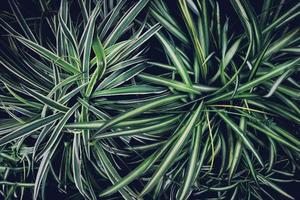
(86, 110)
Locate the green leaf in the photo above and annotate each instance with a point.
(141, 40)
(281, 43)
(112, 173)
(229, 55)
(170, 25)
(87, 41)
(118, 78)
(271, 74)
(132, 132)
(129, 90)
(140, 110)
(68, 33)
(169, 83)
(129, 178)
(50, 148)
(199, 47)
(47, 101)
(274, 186)
(132, 123)
(48, 55)
(22, 21)
(76, 165)
(173, 152)
(175, 58)
(191, 171)
(113, 16)
(236, 158)
(101, 65)
(29, 128)
(127, 19)
(59, 127)
(241, 134)
(276, 137)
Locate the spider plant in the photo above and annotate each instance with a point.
(239, 118)
(236, 93)
(58, 88)
(87, 111)
(15, 161)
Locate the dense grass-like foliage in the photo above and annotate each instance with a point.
(208, 109)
